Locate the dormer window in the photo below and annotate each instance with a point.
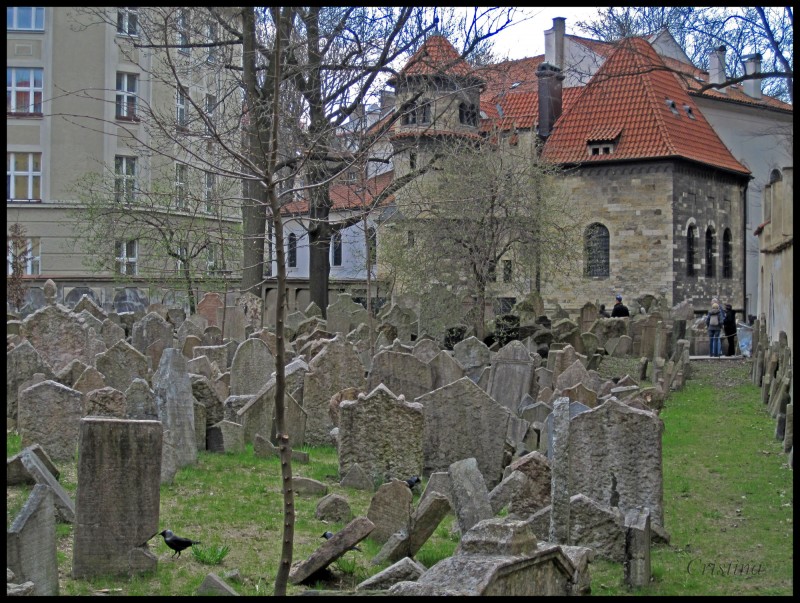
(603, 140)
(514, 85)
(604, 148)
(672, 106)
(689, 111)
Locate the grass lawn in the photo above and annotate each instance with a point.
(728, 506)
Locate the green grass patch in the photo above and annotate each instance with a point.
(728, 503)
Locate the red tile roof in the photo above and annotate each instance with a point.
(630, 93)
(436, 56)
(734, 92)
(349, 196)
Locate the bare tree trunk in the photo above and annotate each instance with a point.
(283, 22)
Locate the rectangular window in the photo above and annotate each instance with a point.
(336, 249)
(30, 18)
(182, 32)
(180, 109)
(181, 170)
(126, 256)
(211, 38)
(24, 176)
(182, 253)
(209, 106)
(292, 250)
(211, 182)
(124, 179)
(26, 254)
(506, 271)
(127, 20)
(24, 90)
(126, 95)
(211, 258)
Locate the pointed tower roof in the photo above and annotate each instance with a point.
(634, 100)
(436, 57)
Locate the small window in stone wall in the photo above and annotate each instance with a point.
(727, 254)
(711, 244)
(596, 250)
(691, 236)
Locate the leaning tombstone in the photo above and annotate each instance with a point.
(31, 543)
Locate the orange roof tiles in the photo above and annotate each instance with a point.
(349, 196)
(630, 93)
(437, 57)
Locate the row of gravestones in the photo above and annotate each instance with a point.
(175, 408)
(772, 373)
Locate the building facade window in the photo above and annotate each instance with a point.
(128, 21)
(209, 189)
(691, 238)
(711, 244)
(727, 254)
(126, 257)
(292, 250)
(182, 252)
(596, 250)
(24, 90)
(410, 116)
(209, 105)
(412, 160)
(468, 114)
(336, 249)
(211, 258)
(507, 271)
(180, 109)
(182, 32)
(181, 171)
(124, 179)
(24, 176)
(26, 254)
(25, 18)
(126, 95)
(211, 38)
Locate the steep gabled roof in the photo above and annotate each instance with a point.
(635, 95)
(436, 57)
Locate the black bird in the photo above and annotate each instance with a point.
(329, 535)
(411, 482)
(177, 543)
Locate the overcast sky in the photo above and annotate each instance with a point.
(526, 38)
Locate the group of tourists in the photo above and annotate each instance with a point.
(720, 322)
(721, 319)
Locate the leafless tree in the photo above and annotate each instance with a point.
(488, 223)
(745, 30)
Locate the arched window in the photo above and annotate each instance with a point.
(336, 249)
(775, 176)
(596, 258)
(727, 254)
(292, 250)
(691, 237)
(711, 244)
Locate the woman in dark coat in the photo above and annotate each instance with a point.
(729, 329)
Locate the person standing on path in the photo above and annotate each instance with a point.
(729, 329)
(714, 320)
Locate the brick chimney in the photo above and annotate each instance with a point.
(716, 67)
(752, 64)
(550, 97)
(554, 43)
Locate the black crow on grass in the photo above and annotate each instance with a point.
(177, 543)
